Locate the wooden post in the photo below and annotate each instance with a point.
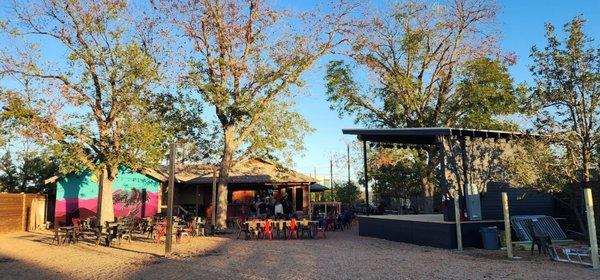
(507, 234)
(466, 191)
(366, 177)
(169, 237)
(294, 200)
(457, 221)
(308, 202)
(589, 209)
(214, 198)
(443, 180)
(197, 200)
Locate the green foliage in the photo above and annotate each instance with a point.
(428, 64)
(102, 104)
(347, 193)
(394, 173)
(28, 174)
(487, 91)
(567, 94)
(534, 164)
(9, 174)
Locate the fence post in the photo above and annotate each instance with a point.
(589, 207)
(507, 225)
(457, 218)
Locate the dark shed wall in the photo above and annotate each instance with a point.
(521, 202)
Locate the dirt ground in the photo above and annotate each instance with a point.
(343, 255)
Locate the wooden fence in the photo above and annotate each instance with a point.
(20, 212)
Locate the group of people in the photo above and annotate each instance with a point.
(269, 206)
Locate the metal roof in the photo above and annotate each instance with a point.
(252, 171)
(427, 135)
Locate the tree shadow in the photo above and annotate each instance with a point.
(12, 268)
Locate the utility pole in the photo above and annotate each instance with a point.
(169, 237)
(348, 161)
(331, 179)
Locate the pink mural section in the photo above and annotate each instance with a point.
(84, 208)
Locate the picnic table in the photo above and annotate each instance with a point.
(66, 232)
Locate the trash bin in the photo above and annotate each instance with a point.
(489, 238)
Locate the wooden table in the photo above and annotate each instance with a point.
(69, 233)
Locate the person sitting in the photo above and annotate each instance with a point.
(278, 209)
(262, 210)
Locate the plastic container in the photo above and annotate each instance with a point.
(489, 238)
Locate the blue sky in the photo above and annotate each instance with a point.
(522, 26)
(520, 22)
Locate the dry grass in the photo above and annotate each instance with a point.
(343, 255)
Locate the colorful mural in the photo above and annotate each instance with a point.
(133, 194)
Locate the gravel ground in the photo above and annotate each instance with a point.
(343, 255)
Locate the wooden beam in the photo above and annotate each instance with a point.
(457, 216)
(589, 207)
(294, 202)
(366, 175)
(169, 237)
(507, 234)
(442, 153)
(197, 200)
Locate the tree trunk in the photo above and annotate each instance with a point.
(222, 192)
(427, 181)
(105, 211)
(428, 189)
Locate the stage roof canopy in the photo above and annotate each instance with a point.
(427, 135)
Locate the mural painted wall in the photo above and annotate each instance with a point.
(133, 194)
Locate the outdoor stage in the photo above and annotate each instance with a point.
(425, 230)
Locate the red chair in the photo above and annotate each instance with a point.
(161, 230)
(293, 228)
(77, 228)
(268, 230)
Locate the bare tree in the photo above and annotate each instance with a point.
(246, 58)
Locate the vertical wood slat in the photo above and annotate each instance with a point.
(13, 211)
(23, 212)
